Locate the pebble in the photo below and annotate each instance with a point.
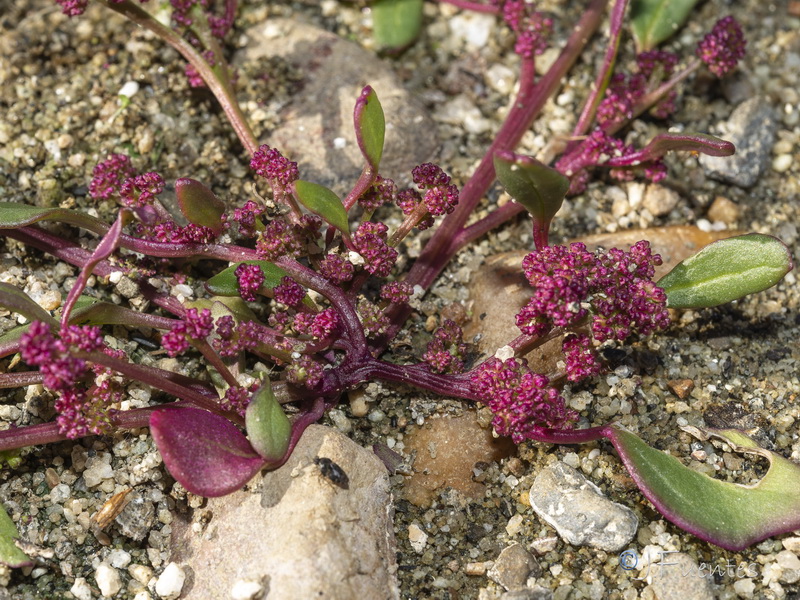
(98, 468)
(751, 128)
(417, 538)
(170, 582)
(108, 580)
(660, 200)
(246, 589)
(579, 512)
(782, 163)
(513, 567)
(724, 210)
(679, 578)
(119, 559)
(681, 387)
(81, 589)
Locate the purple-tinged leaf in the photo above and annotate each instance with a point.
(539, 188)
(655, 21)
(10, 554)
(14, 215)
(199, 204)
(268, 427)
(370, 126)
(396, 23)
(729, 515)
(204, 452)
(672, 142)
(727, 270)
(17, 301)
(108, 244)
(322, 202)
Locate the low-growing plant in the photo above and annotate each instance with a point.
(306, 282)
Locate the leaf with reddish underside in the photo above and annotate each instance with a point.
(730, 515)
(673, 142)
(727, 270)
(322, 202)
(199, 204)
(204, 452)
(370, 126)
(14, 299)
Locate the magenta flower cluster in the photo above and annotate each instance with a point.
(521, 400)
(281, 238)
(440, 196)
(723, 48)
(445, 352)
(82, 410)
(531, 27)
(610, 292)
(382, 191)
(109, 175)
(274, 167)
(370, 242)
(196, 325)
(249, 279)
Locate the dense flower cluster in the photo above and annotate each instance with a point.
(723, 48)
(372, 317)
(381, 192)
(370, 242)
(281, 238)
(85, 394)
(196, 325)
(336, 269)
(231, 339)
(289, 292)
(109, 175)
(445, 352)
(531, 26)
(521, 400)
(246, 218)
(440, 196)
(274, 166)
(141, 190)
(580, 358)
(613, 290)
(249, 279)
(305, 371)
(396, 292)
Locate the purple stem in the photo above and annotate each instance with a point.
(14, 380)
(473, 6)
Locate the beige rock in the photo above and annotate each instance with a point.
(299, 533)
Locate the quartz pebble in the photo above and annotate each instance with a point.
(170, 582)
(108, 580)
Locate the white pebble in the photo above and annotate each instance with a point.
(339, 143)
(170, 582)
(514, 524)
(417, 538)
(246, 589)
(108, 580)
(129, 89)
(782, 163)
(81, 590)
(119, 559)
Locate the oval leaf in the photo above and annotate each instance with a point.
(17, 301)
(322, 202)
(396, 23)
(727, 270)
(370, 125)
(199, 204)
(225, 283)
(268, 427)
(655, 21)
(729, 515)
(10, 555)
(15, 214)
(204, 452)
(539, 188)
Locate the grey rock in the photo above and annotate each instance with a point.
(535, 593)
(679, 577)
(316, 127)
(513, 567)
(751, 128)
(579, 512)
(300, 535)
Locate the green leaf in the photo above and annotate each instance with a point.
(199, 204)
(323, 202)
(655, 21)
(727, 270)
(17, 301)
(14, 215)
(396, 23)
(225, 283)
(10, 555)
(370, 125)
(729, 515)
(539, 188)
(268, 427)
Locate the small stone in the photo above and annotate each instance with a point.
(141, 573)
(534, 593)
(579, 512)
(544, 545)
(782, 163)
(792, 544)
(81, 590)
(246, 589)
(513, 567)
(108, 580)
(478, 568)
(98, 468)
(119, 559)
(660, 200)
(723, 210)
(170, 582)
(417, 538)
(679, 577)
(744, 588)
(751, 128)
(681, 387)
(514, 524)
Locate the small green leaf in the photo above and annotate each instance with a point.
(10, 555)
(15, 214)
(729, 515)
(225, 283)
(199, 204)
(727, 270)
(268, 427)
(17, 301)
(655, 21)
(396, 23)
(370, 125)
(323, 202)
(539, 188)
